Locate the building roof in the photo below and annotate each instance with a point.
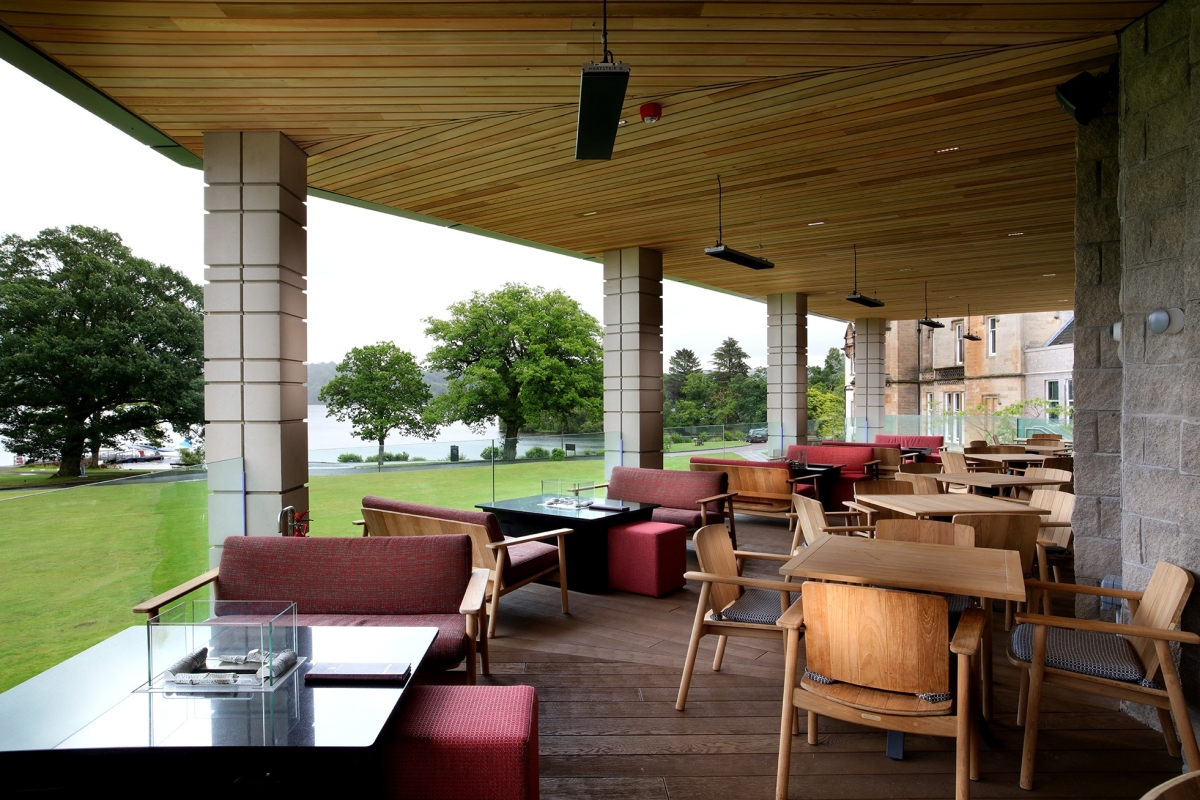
(927, 134)
(1065, 334)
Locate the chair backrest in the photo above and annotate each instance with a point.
(920, 467)
(1161, 607)
(669, 488)
(954, 462)
(878, 638)
(810, 518)
(1060, 462)
(342, 575)
(1185, 787)
(1006, 448)
(393, 523)
(889, 456)
(883, 487)
(1060, 505)
(1005, 532)
(1055, 436)
(977, 443)
(714, 551)
(1048, 473)
(926, 531)
(922, 484)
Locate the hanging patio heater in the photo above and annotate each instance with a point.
(861, 299)
(727, 253)
(926, 321)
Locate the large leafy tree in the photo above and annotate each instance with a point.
(683, 363)
(514, 355)
(832, 375)
(95, 344)
(379, 389)
(729, 359)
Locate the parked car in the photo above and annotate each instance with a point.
(758, 436)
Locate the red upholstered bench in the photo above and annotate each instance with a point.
(647, 558)
(463, 743)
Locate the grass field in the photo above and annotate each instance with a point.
(73, 563)
(44, 478)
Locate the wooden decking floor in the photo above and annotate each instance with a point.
(607, 676)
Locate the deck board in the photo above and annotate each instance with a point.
(607, 676)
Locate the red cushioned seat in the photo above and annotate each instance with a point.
(463, 743)
(647, 558)
(528, 559)
(675, 491)
(852, 459)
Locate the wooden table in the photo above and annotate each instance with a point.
(945, 505)
(1048, 449)
(994, 480)
(1008, 458)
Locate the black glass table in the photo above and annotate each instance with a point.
(587, 546)
(88, 722)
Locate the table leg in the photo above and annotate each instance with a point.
(895, 745)
(985, 660)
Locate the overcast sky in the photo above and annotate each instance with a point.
(371, 276)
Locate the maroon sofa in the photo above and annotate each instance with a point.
(933, 443)
(855, 462)
(690, 499)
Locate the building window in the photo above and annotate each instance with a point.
(1052, 399)
(991, 336)
(954, 402)
(958, 343)
(929, 402)
(991, 403)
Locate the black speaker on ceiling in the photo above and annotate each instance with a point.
(1085, 95)
(601, 97)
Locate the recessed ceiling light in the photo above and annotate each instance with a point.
(906, 269)
(1049, 274)
(589, 213)
(946, 150)
(812, 224)
(1018, 233)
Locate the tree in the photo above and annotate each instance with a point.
(95, 344)
(513, 355)
(683, 363)
(729, 359)
(379, 389)
(832, 376)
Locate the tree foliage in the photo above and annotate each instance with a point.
(831, 377)
(95, 345)
(379, 389)
(517, 355)
(729, 359)
(683, 363)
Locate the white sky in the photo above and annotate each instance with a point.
(371, 276)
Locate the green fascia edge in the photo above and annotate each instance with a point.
(34, 63)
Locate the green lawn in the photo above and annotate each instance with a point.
(73, 563)
(43, 477)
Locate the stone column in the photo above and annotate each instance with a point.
(633, 359)
(255, 336)
(787, 370)
(1097, 419)
(869, 378)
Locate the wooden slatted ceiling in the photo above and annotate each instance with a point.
(811, 112)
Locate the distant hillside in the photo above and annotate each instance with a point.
(321, 372)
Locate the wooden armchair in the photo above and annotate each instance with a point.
(925, 531)
(1185, 787)
(878, 487)
(920, 467)
(957, 463)
(489, 552)
(922, 484)
(812, 522)
(903, 687)
(731, 605)
(1054, 538)
(1125, 662)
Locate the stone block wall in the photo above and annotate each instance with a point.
(787, 370)
(1159, 201)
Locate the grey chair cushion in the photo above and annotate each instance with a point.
(1104, 655)
(759, 606)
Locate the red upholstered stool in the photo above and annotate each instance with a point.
(647, 558)
(463, 743)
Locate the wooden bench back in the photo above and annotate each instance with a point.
(393, 523)
(753, 480)
(878, 638)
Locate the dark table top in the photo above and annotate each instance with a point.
(533, 506)
(92, 700)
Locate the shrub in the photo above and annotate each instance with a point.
(677, 438)
(536, 452)
(734, 436)
(417, 458)
(401, 456)
(191, 458)
(557, 454)
(352, 458)
(492, 453)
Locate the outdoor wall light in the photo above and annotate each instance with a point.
(1116, 331)
(1165, 320)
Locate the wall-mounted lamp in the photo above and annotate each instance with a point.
(1116, 331)
(1165, 320)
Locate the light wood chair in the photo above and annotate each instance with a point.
(1055, 436)
(922, 484)
(954, 462)
(731, 605)
(1042, 472)
(890, 459)
(852, 676)
(1060, 462)
(1054, 539)
(925, 531)
(879, 487)
(812, 522)
(486, 553)
(921, 467)
(1185, 787)
(977, 443)
(1154, 626)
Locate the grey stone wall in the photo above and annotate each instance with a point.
(1097, 433)
(1159, 204)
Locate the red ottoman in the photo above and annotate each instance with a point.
(647, 558)
(463, 743)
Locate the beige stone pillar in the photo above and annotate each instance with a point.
(869, 378)
(787, 370)
(633, 359)
(255, 336)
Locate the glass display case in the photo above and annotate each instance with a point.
(566, 493)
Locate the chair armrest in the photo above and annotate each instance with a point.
(793, 618)
(763, 556)
(843, 513)
(600, 486)
(738, 580)
(1184, 637)
(152, 605)
(533, 537)
(359, 522)
(1077, 589)
(1047, 542)
(847, 528)
(799, 478)
(872, 463)
(706, 500)
(472, 602)
(969, 631)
